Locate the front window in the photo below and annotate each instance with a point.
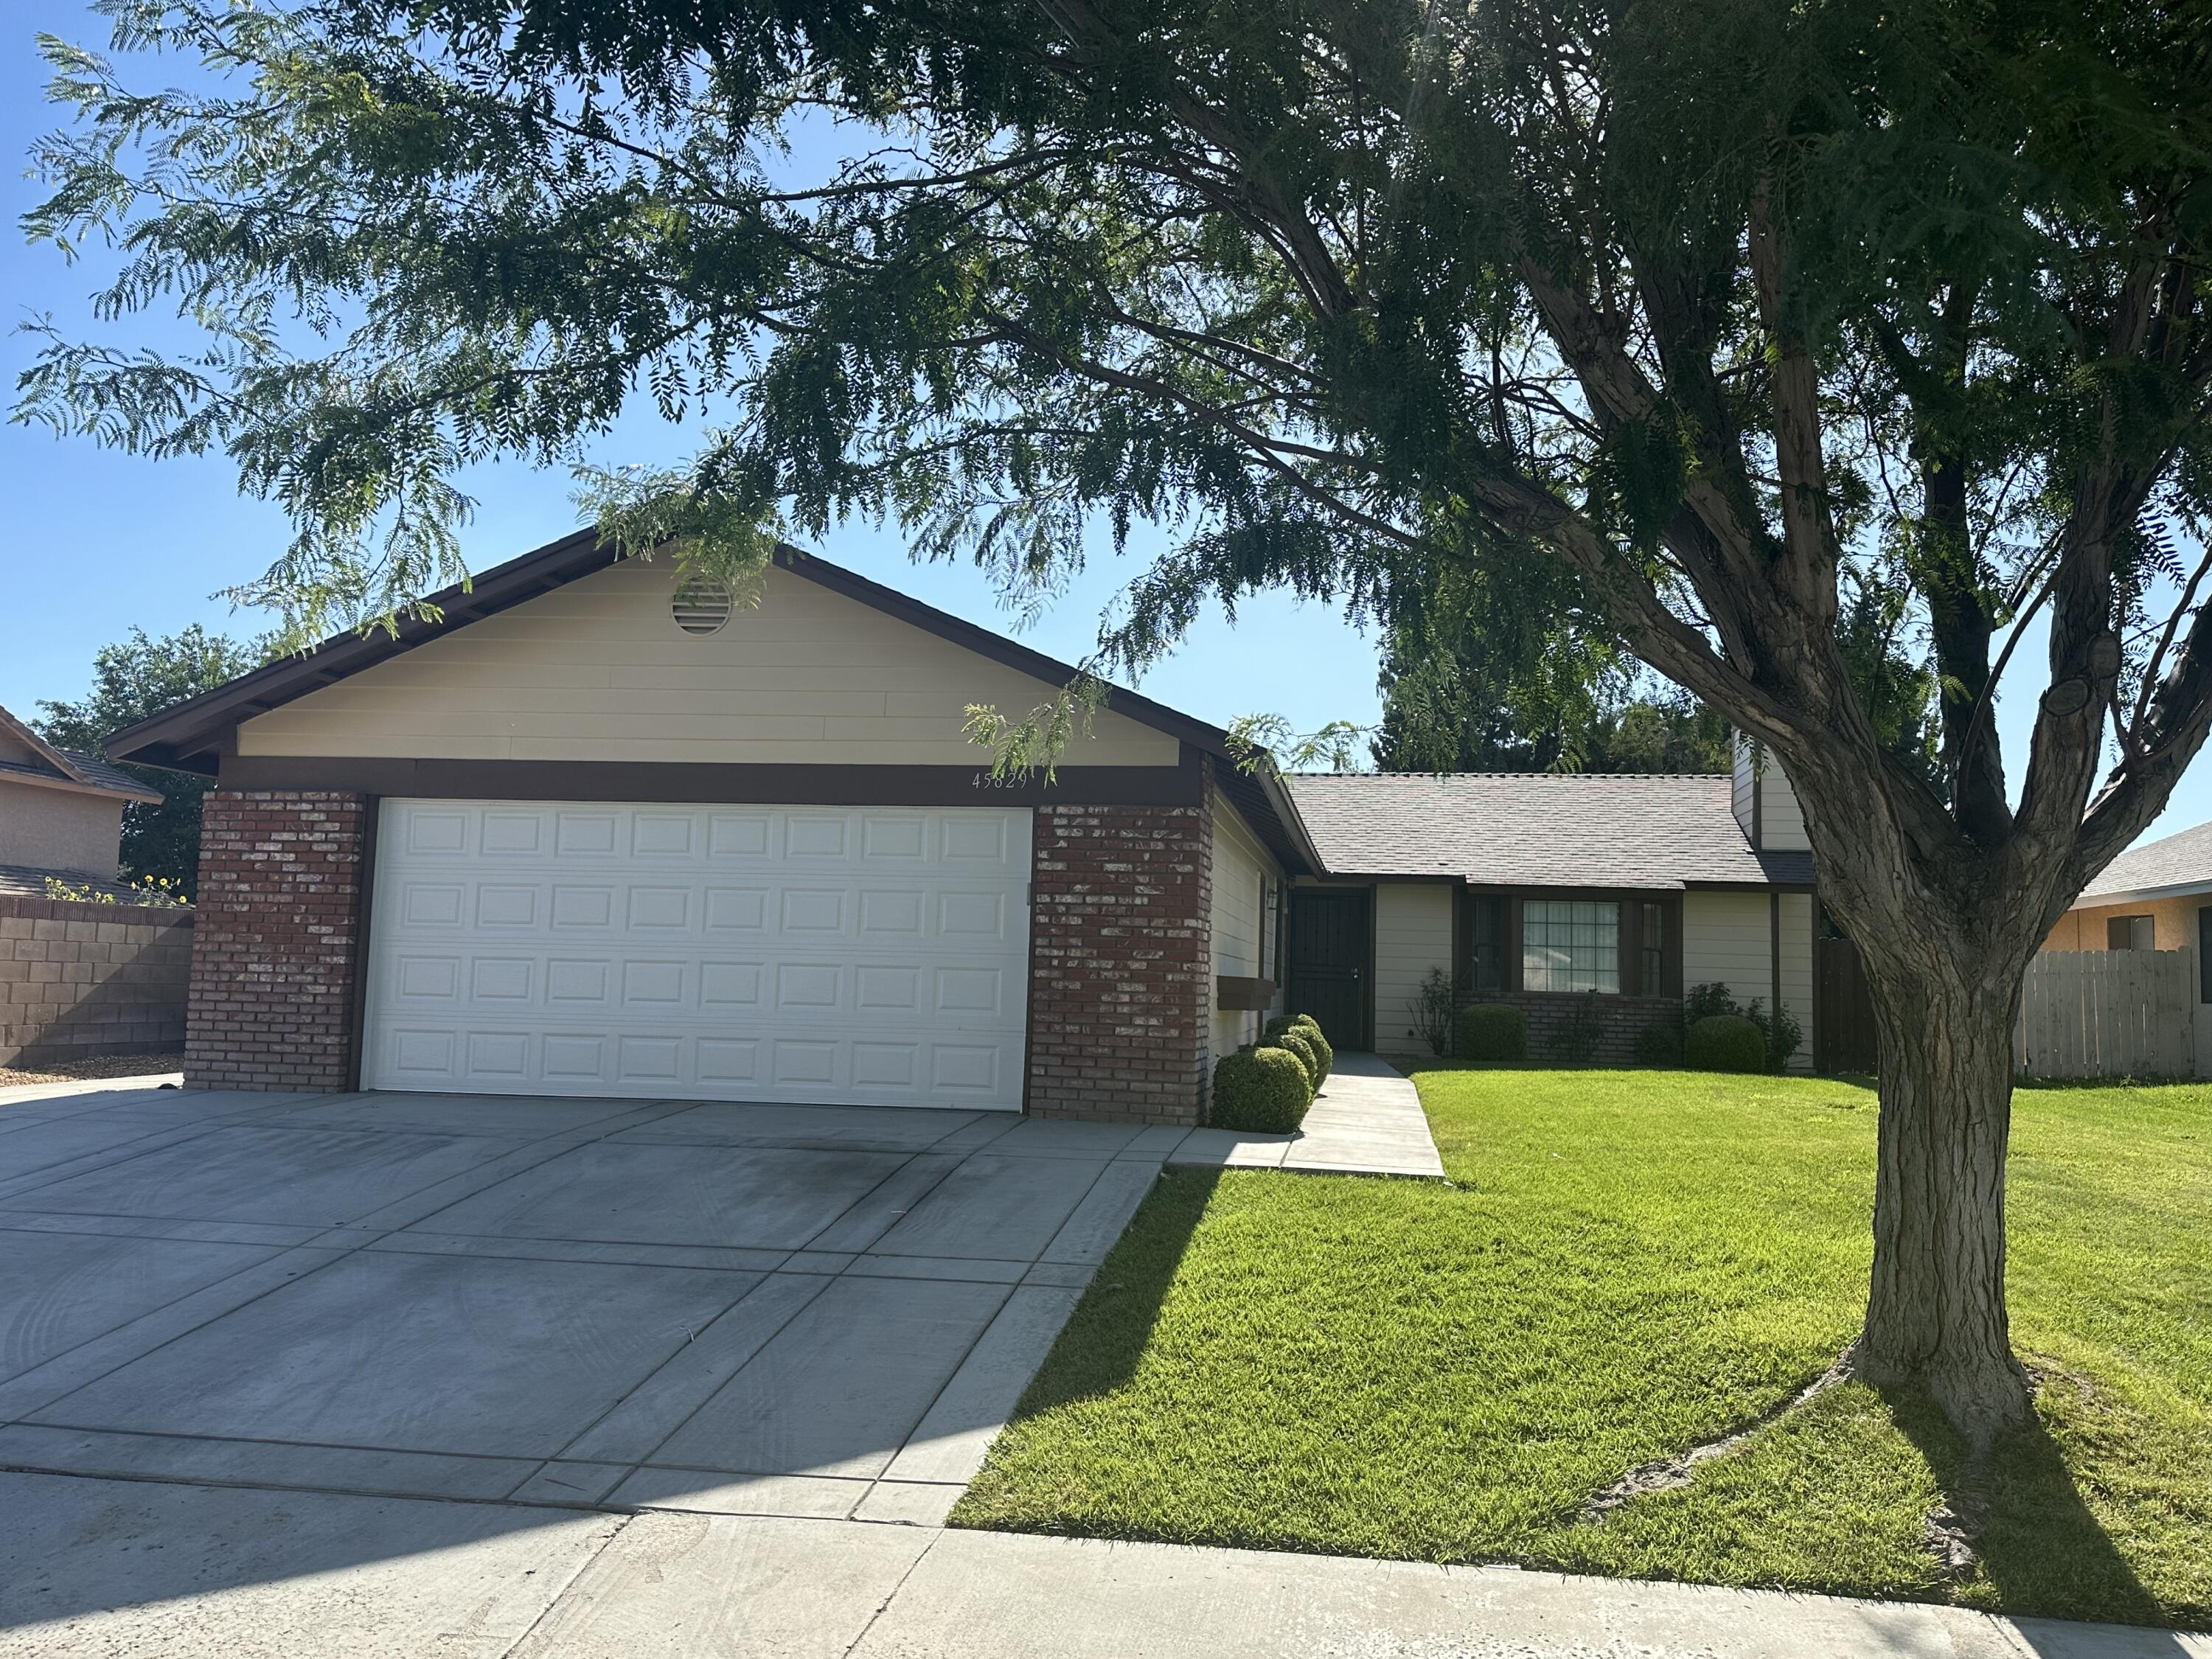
(1569, 945)
(1651, 946)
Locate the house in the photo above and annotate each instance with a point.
(1584, 898)
(594, 832)
(61, 812)
(2152, 897)
(2155, 897)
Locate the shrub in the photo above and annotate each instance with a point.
(1780, 1029)
(1725, 1043)
(1281, 1023)
(1323, 1050)
(1779, 1032)
(1296, 1041)
(1493, 1031)
(1432, 1011)
(1577, 1039)
(1659, 1043)
(1704, 1002)
(1260, 1091)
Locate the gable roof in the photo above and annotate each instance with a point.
(55, 768)
(2171, 867)
(1539, 830)
(189, 736)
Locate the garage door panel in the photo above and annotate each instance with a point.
(868, 955)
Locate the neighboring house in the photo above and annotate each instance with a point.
(2156, 897)
(61, 812)
(1595, 898)
(592, 834)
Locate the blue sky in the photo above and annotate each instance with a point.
(102, 542)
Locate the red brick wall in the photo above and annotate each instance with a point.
(279, 940)
(1122, 978)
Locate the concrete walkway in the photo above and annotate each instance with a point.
(197, 1572)
(1367, 1120)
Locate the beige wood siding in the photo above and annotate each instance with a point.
(1730, 938)
(1760, 794)
(1797, 971)
(598, 670)
(1240, 928)
(1413, 934)
(1726, 938)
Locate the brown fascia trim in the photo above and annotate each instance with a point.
(709, 783)
(185, 737)
(1748, 887)
(73, 787)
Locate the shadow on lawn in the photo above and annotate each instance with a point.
(2042, 1550)
(1099, 1349)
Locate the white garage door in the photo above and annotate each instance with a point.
(866, 955)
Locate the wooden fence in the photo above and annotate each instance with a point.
(2108, 1013)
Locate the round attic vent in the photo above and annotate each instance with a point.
(701, 606)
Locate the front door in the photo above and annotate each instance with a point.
(1328, 963)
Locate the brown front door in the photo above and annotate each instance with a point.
(1329, 940)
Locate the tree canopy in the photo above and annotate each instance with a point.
(132, 679)
(1751, 337)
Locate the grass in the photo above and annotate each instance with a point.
(1627, 1265)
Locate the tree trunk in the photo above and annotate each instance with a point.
(1935, 1315)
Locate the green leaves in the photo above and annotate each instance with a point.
(1516, 330)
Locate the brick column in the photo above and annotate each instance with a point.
(1121, 963)
(278, 946)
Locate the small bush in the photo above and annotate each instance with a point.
(1295, 1040)
(1281, 1023)
(1779, 1032)
(1323, 1051)
(1574, 1042)
(1704, 1002)
(1430, 1009)
(1725, 1043)
(1260, 1091)
(1493, 1031)
(1659, 1043)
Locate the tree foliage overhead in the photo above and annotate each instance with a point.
(132, 680)
(1702, 301)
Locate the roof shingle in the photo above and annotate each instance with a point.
(1538, 829)
(2181, 861)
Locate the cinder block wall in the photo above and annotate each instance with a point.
(80, 979)
(280, 937)
(1120, 991)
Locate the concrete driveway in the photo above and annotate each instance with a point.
(797, 1311)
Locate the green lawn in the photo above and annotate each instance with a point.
(1627, 1265)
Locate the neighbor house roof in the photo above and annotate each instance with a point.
(1538, 829)
(53, 768)
(2170, 867)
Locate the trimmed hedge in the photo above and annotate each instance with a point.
(1260, 1091)
(1298, 1043)
(1493, 1031)
(1322, 1050)
(1725, 1043)
(1324, 1053)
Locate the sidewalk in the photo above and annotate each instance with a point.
(1367, 1120)
(90, 1566)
